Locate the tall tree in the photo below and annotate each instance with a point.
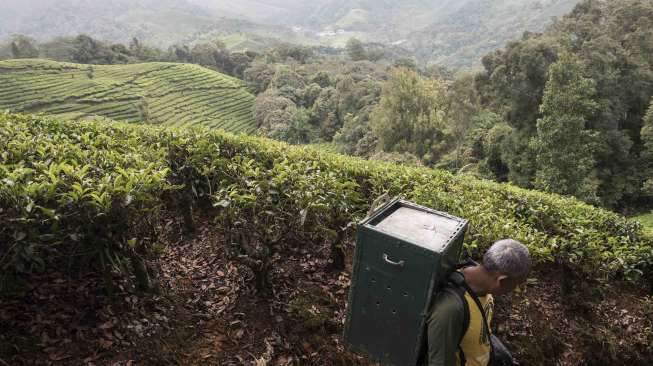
(410, 116)
(355, 49)
(564, 145)
(23, 47)
(647, 152)
(462, 107)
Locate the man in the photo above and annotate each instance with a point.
(505, 266)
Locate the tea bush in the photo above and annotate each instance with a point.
(592, 242)
(77, 195)
(93, 191)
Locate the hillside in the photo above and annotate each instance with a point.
(245, 35)
(464, 33)
(265, 11)
(450, 33)
(242, 234)
(156, 93)
(114, 20)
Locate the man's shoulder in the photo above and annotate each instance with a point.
(446, 303)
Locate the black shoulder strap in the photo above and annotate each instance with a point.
(452, 286)
(459, 291)
(468, 262)
(474, 297)
(459, 294)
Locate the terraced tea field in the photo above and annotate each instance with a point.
(154, 93)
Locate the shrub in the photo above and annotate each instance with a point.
(82, 196)
(91, 192)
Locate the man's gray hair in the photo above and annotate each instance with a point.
(508, 257)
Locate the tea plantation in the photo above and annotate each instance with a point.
(154, 93)
(93, 191)
(96, 201)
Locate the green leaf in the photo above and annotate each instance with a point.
(222, 203)
(132, 242)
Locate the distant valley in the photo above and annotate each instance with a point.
(445, 32)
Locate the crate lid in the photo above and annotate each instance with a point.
(424, 228)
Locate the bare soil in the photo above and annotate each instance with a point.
(208, 313)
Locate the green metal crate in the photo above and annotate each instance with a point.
(403, 251)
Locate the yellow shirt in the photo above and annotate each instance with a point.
(476, 341)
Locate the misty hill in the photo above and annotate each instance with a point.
(156, 93)
(450, 32)
(159, 22)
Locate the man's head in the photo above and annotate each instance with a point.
(507, 263)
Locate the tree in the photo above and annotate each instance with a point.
(272, 103)
(613, 41)
(513, 80)
(23, 47)
(213, 55)
(258, 76)
(288, 83)
(135, 47)
(647, 152)
(462, 107)
(295, 129)
(410, 116)
(325, 113)
(481, 150)
(181, 53)
(355, 137)
(241, 61)
(283, 52)
(322, 79)
(355, 50)
(310, 94)
(87, 50)
(406, 62)
(565, 147)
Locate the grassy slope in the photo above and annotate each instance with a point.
(160, 93)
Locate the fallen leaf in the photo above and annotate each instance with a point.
(105, 344)
(58, 356)
(107, 325)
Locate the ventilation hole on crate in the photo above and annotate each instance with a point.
(394, 311)
(405, 294)
(373, 280)
(378, 304)
(389, 288)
